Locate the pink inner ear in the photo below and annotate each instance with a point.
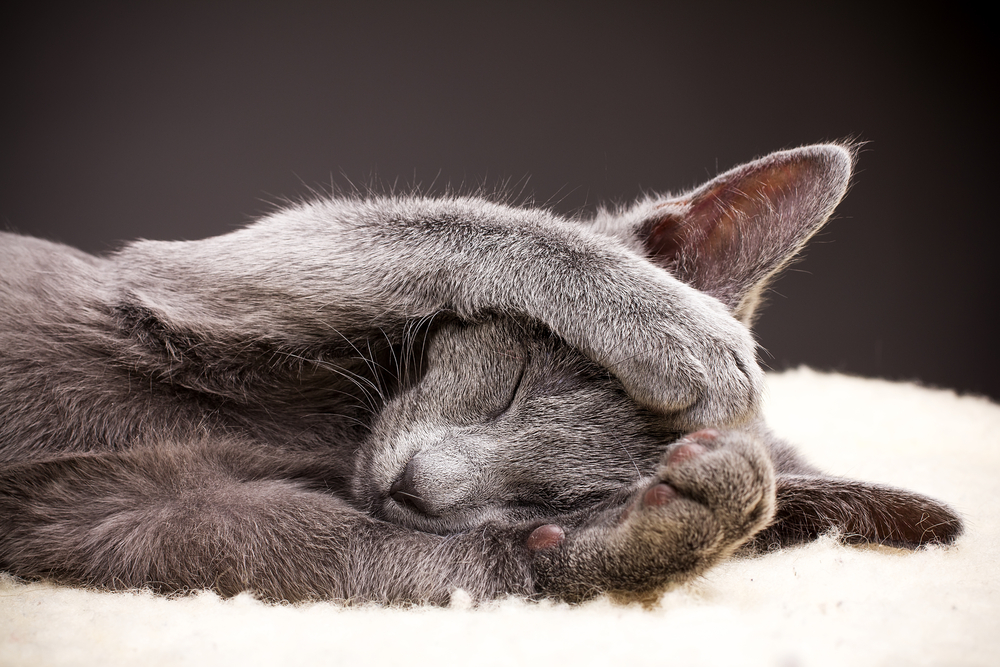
(689, 240)
(664, 237)
(754, 190)
(729, 236)
(741, 208)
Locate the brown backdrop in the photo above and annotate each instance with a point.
(185, 120)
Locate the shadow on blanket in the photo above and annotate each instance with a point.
(822, 603)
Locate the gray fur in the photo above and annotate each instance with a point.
(389, 398)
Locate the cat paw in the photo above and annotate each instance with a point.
(702, 368)
(713, 490)
(718, 485)
(729, 472)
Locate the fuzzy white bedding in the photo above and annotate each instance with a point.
(819, 604)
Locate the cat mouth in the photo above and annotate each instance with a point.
(405, 511)
(413, 503)
(406, 504)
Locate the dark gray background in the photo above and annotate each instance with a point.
(186, 120)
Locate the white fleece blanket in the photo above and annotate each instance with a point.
(819, 604)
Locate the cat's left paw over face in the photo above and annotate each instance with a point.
(713, 490)
(706, 373)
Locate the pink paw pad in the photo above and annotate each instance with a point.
(705, 434)
(658, 495)
(685, 451)
(545, 537)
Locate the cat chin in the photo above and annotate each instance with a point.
(457, 521)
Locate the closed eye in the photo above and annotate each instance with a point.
(504, 407)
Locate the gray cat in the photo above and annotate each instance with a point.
(391, 398)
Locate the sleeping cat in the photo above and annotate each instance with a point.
(391, 398)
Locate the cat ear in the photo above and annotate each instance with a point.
(809, 506)
(732, 234)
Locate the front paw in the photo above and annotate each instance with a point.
(727, 471)
(700, 366)
(712, 491)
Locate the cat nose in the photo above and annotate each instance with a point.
(404, 490)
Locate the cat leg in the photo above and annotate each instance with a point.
(180, 518)
(712, 491)
(860, 512)
(337, 272)
(811, 503)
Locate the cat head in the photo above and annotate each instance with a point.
(508, 422)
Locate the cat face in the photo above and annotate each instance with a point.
(506, 422)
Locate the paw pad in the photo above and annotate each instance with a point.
(545, 537)
(685, 451)
(658, 495)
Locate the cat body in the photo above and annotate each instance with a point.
(392, 398)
